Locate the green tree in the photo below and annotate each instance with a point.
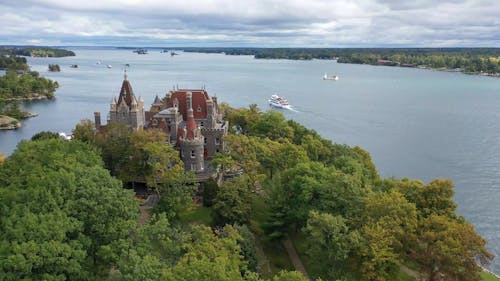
(45, 135)
(233, 202)
(209, 257)
(84, 131)
(210, 189)
(376, 259)
(450, 248)
(273, 125)
(435, 198)
(330, 243)
(394, 213)
(288, 276)
(61, 209)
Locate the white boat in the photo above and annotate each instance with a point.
(109, 66)
(334, 77)
(279, 102)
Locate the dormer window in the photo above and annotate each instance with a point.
(176, 103)
(155, 122)
(199, 108)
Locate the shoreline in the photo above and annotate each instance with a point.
(34, 98)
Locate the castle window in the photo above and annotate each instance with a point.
(217, 141)
(201, 166)
(155, 122)
(205, 140)
(199, 108)
(202, 124)
(182, 153)
(217, 150)
(176, 103)
(193, 154)
(193, 167)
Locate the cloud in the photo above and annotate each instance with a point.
(316, 23)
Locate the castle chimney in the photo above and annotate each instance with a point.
(97, 120)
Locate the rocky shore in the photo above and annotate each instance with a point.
(9, 123)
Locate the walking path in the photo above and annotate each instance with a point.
(294, 257)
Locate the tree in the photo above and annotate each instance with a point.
(273, 125)
(395, 214)
(210, 189)
(247, 246)
(376, 259)
(233, 202)
(84, 131)
(288, 276)
(330, 243)
(60, 211)
(209, 257)
(435, 198)
(114, 143)
(45, 135)
(450, 248)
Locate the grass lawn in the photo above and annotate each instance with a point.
(197, 215)
(486, 276)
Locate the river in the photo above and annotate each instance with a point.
(415, 123)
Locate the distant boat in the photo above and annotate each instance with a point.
(279, 102)
(127, 65)
(334, 77)
(74, 66)
(98, 62)
(109, 66)
(172, 53)
(141, 51)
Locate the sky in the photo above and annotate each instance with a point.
(251, 23)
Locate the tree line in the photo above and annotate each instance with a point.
(471, 60)
(35, 51)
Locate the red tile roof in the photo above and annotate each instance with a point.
(199, 101)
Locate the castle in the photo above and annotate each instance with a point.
(190, 119)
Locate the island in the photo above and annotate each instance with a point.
(482, 61)
(20, 84)
(54, 68)
(32, 51)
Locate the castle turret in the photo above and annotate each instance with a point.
(127, 110)
(191, 142)
(113, 104)
(210, 115)
(157, 105)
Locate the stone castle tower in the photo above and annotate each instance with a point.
(191, 141)
(127, 109)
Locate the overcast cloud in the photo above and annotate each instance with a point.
(272, 23)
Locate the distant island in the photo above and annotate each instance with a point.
(485, 61)
(20, 84)
(35, 51)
